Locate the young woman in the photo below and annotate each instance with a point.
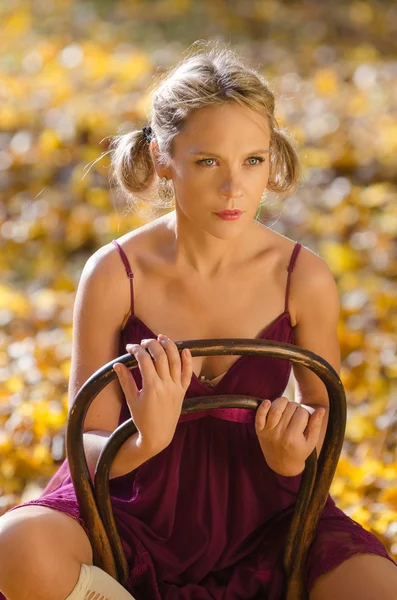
(202, 501)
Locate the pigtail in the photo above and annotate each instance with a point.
(131, 162)
(285, 167)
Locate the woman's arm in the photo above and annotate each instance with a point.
(318, 308)
(289, 431)
(102, 301)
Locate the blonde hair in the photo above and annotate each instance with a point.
(211, 75)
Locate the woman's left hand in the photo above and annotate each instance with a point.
(287, 434)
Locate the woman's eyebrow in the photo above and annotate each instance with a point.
(199, 152)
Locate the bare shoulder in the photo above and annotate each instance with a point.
(315, 287)
(142, 244)
(139, 246)
(136, 244)
(104, 274)
(311, 266)
(312, 279)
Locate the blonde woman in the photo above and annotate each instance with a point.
(202, 501)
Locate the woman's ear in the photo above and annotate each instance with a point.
(158, 167)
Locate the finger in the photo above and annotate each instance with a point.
(288, 414)
(299, 420)
(127, 381)
(160, 357)
(144, 360)
(261, 414)
(308, 408)
(276, 412)
(314, 426)
(173, 357)
(187, 368)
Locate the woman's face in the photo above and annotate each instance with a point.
(221, 161)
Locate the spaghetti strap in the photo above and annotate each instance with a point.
(128, 269)
(291, 265)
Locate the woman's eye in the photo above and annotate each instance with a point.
(205, 161)
(257, 158)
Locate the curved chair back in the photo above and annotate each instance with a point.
(94, 498)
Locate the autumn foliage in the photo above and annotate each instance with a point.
(73, 73)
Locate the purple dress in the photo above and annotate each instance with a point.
(206, 518)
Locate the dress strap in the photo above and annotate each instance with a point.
(291, 265)
(128, 269)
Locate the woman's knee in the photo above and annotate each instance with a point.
(364, 576)
(34, 542)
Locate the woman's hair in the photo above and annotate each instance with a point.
(209, 76)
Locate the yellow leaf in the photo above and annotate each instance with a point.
(326, 82)
(6, 444)
(18, 22)
(7, 468)
(358, 428)
(361, 514)
(15, 301)
(340, 258)
(48, 141)
(389, 496)
(15, 384)
(41, 455)
(98, 197)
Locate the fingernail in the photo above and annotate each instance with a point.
(117, 369)
(128, 347)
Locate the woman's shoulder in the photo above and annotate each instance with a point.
(135, 244)
(308, 262)
(276, 248)
(311, 277)
(142, 243)
(312, 280)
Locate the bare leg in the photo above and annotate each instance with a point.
(41, 553)
(361, 577)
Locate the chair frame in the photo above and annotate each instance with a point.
(94, 498)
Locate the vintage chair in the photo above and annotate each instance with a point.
(94, 499)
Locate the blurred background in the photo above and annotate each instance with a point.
(73, 73)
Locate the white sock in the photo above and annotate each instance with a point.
(96, 584)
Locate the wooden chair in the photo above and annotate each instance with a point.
(94, 498)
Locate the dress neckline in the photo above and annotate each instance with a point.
(238, 361)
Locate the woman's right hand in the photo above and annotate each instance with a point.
(156, 408)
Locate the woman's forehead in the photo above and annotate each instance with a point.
(229, 112)
(212, 129)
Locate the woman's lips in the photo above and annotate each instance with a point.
(229, 215)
